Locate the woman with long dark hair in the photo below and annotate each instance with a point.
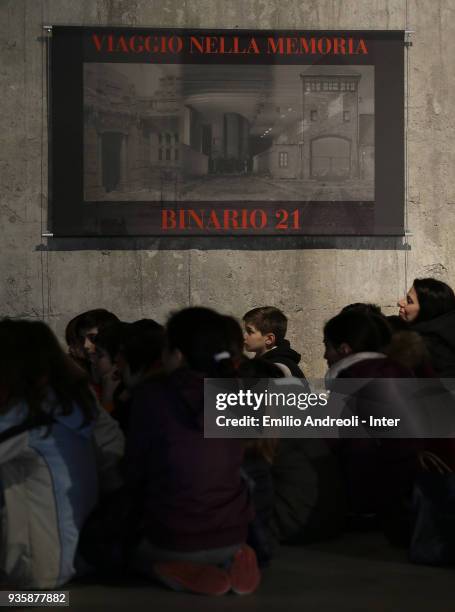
(429, 308)
(48, 455)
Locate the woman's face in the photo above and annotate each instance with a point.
(409, 306)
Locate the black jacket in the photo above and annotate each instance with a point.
(439, 337)
(283, 353)
(310, 501)
(299, 498)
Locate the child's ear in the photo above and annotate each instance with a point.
(344, 349)
(270, 340)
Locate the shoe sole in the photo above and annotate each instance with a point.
(244, 564)
(195, 578)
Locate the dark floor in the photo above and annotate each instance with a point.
(356, 573)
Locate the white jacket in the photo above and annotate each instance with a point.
(48, 486)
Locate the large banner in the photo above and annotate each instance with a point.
(226, 132)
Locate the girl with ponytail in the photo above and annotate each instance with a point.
(196, 507)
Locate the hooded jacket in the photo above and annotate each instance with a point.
(439, 337)
(283, 354)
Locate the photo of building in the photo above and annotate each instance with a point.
(204, 132)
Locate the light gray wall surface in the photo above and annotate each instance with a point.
(310, 285)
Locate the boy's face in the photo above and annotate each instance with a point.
(256, 341)
(87, 338)
(331, 355)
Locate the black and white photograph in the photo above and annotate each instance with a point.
(191, 132)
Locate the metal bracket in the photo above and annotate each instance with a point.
(408, 42)
(48, 30)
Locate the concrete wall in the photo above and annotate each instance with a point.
(310, 285)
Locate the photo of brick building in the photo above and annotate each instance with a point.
(202, 132)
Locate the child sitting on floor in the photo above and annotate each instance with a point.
(196, 506)
(58, 452)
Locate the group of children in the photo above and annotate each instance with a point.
(104, 465)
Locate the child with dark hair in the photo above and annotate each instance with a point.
(80, 336)
(196, 509)
(137, 357)
(54, 441)
(355, 337)
(88, 324)
(265, 331)
(378, 473)
(110, 339)
(140, 350)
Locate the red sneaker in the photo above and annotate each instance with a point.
(194, 577)
(244, 572)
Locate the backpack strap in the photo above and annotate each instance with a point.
(433, 463)
(16, 430)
